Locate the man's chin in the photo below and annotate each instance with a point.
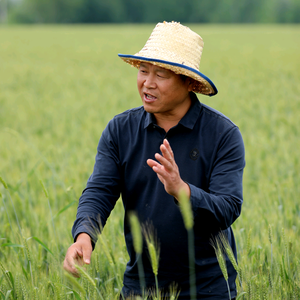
(149, 109)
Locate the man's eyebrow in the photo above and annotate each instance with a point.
(143, 65)
(162, 70)
(166, 72)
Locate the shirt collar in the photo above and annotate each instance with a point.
(188, 120)
(150, 119)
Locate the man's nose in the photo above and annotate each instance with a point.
(150, 81)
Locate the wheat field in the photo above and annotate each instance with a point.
(60, 85)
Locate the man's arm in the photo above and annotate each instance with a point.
(96, 202)
(221, 205)
(102, 190)
(218, 208)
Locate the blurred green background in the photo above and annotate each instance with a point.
(150, 11)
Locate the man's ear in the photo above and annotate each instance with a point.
(190, 84)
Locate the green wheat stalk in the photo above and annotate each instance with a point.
(4, 183)
(111, 261)
(188, 219)
(138, 247)
(8, 217)
(52, 220)
(6, 276)
(174, 292)
(271, 271)
(217, 245)
(186, 211)
(286, 248)
(12, 203)
(24, 291)
(153, 249)
(248, 243)
(89, 279)
(28, 258)
(74, 282)
(228, 250)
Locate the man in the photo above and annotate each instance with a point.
(151, 154)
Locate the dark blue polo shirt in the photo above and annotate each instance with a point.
(209, 152)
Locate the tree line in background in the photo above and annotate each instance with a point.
(150, 11)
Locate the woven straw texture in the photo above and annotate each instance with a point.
(177, 48)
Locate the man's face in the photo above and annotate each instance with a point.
(163, 92)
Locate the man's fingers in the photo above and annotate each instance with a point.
(87, 252)
(151, 163)
(164, 162)
(167, 163)
(78, 259)
(69, 266)
(73, 256)
(167, 170)
(85, 245)
(168, 147)
(78, 254)
(167, 152)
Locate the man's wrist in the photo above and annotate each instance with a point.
(185, 190)
(83, 236)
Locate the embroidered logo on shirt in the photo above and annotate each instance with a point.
(194, 154)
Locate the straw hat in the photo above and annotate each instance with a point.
(177, 48)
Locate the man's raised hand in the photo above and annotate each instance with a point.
(167, 171)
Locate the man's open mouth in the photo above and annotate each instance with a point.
(149, 97)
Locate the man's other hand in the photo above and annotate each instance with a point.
(79, 254)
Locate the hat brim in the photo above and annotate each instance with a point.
(202, 85)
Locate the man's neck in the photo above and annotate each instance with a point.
(167, 121)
